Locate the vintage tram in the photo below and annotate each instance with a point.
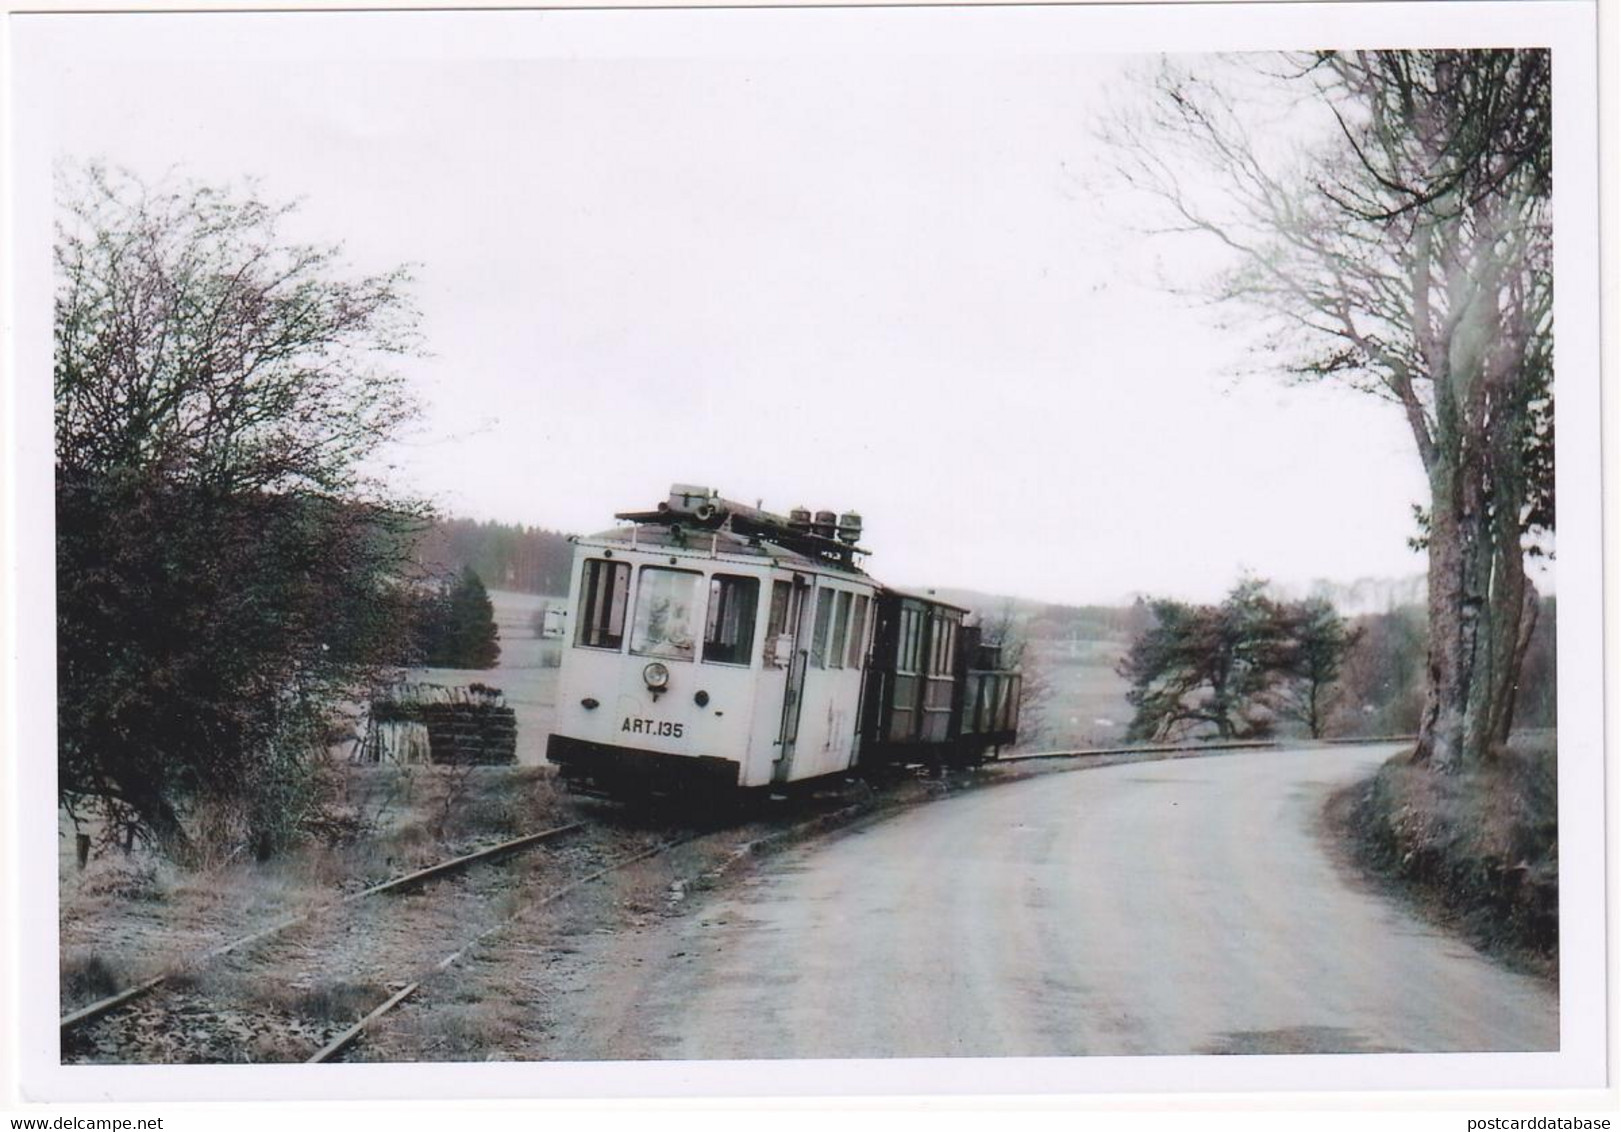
(716, 647)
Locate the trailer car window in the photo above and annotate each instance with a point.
(910, 645)
(666, 613)
(942, 646)
(604, 593)
(942, 667)
(729, 626)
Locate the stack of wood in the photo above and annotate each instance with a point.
(454, 726)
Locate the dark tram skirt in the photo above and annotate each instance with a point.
(622, 771)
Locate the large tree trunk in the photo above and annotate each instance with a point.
(1440, 736)
(1475, 349)
(1482, 607)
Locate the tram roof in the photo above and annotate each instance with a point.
(719, 541)
(928, 599)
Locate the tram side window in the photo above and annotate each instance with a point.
(824, 615)
(666, 623)
(729, 628)
(858, 630)
(841, 628)
(911, 643)
(604, 593)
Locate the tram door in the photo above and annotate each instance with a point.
(793, 697)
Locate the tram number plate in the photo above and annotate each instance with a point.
(662, 727)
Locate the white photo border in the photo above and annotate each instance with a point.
(42, 41)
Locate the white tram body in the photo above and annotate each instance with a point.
(732, 653)
(717, 647)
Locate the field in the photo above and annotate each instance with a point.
(1080, 699)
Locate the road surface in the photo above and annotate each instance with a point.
(1189, 906)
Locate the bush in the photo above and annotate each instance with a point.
(225, 570)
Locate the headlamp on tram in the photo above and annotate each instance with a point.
(657, 677)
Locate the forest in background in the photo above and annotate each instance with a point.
(505, 556)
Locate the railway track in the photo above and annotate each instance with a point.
(332, 1049)
(415, 879)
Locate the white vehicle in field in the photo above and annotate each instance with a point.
(553, 622)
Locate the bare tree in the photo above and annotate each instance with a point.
(1008, 630)
(1387, 214)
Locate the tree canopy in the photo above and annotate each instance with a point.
(1233, 670)
(227, 571)
(1387, 214)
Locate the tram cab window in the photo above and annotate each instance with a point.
(604, 594)
(824, 618)
(778, 621)
(729, 625)
(780, 624)
(666, 623)
(858, 630)
(841, 629)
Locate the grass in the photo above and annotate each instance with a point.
(88, 976)
(126, 919)
(459, 1030)
(340, 1003)
(1478, 849)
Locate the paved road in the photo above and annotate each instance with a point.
(1153, 908)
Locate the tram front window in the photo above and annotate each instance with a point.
(666, 622)
(729, 627)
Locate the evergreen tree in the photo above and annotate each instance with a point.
(457, 625)
(1319, 640)
(1234, 668)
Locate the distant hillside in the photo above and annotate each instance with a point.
(1045, 621)
(1366, 595)
(1067, 625)
(504, 555)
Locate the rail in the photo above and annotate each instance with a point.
(338, 1044)
(1176, 748)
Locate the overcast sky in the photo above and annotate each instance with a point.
(877, 281)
